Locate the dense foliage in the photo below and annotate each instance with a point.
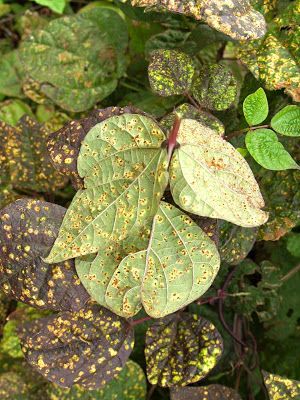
(150, 199)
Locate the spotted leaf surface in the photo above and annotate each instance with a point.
(211, 392)
(161, 279)
(125, 174)
(236, 19)
(77, 59)
(215, 88)
(181, 349)
(170, 72)
(208, 177)
(89, 347)
(130, 384)
(281, 388)
(28, 229)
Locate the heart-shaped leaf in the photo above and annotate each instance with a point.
(287, 121)
(89, 347)
(211, 392)
(256, 107)
(28, 229)
(181, 349)
(267, 151)
(178, 266)
(125, 174)
(281, 388)
(208, 177)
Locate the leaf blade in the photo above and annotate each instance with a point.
(256, 107)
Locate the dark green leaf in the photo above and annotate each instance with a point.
(287, 121)
(211, 392)
(293, 244)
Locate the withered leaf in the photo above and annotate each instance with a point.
(89, 347)
(211, 392)
(28, 229)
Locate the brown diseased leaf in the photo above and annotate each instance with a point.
(211, 392)
(28, 229)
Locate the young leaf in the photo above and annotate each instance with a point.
(256, 107)
(281, 388)
(181, 349)
(287, 121)
(55, 5)
(178, 266)
(88, 348)
(28, 229)
(11, 111)
(211, 392)
(170, 72)
(208, 177)
(267, 151)
(125, 174)
(215, 88)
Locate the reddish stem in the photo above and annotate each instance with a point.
(140, 321)
(172, 141)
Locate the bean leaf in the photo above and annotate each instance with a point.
(287, 121)
(181, 349)
(11, 74)
(89, 347)
(125, 174)
(256, 107)
(281, 388)
(55, 5)
(208, 177)
(211, 392)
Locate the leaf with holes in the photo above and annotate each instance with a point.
(181, 349)
(208, 177)
(281, 388)
(28, 229)
(125, 174)
(287, 121)
(256, 107)
(211, 392)
(178, 266)
(89, 347)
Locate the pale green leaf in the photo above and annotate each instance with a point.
(57, 6)
(287, 121)
(208, 177)
(264, 147)
(178, 266)
(256, 107)
(125, 174)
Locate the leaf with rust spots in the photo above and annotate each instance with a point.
(125, 174)
(77, 59)
(236, 18)
(181, 349)
(178, 266)
(208, 177)
(211, 392)
(89, 347)
(13, 386)
(64, 145)
(281, 388)
(27, 232)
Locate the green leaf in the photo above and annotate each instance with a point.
(281, 388)
(11, 74)
(211, 392)
(28, 229)
(178, 266)
(208, 177)
(88, 348)
(77, 59)
(215, 88)
(236, 19)
(130, 384)
(256, 107)
(267, 151)
(13, 110)
(13, 386)
(170, 72)
(125, 174)
(181, 349)
(287, 121)
(293, 244)
(57, 6)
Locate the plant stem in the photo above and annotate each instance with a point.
(250, 128)
(192, 100)
(172, 141)
(291, 273)
(140, 321)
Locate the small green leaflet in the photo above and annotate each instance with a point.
(57, 6)
(208, 177)
(265, 148)
(178, 266)
(125, 174)
(287, 121)
(281, 388)
(256, 107)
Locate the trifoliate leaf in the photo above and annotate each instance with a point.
(210, 178)
(170, 72)
(11, 74)
(211, 392)
(125, 174)
(89, 347)
(267, 151)
(55, 5)
(181, 349)
(236, 19)
(256, 107)
(287, 121)
(77, 59)
(28, 229)
(178, 266)
(281, 388)
(130, 384)
(215, 88)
